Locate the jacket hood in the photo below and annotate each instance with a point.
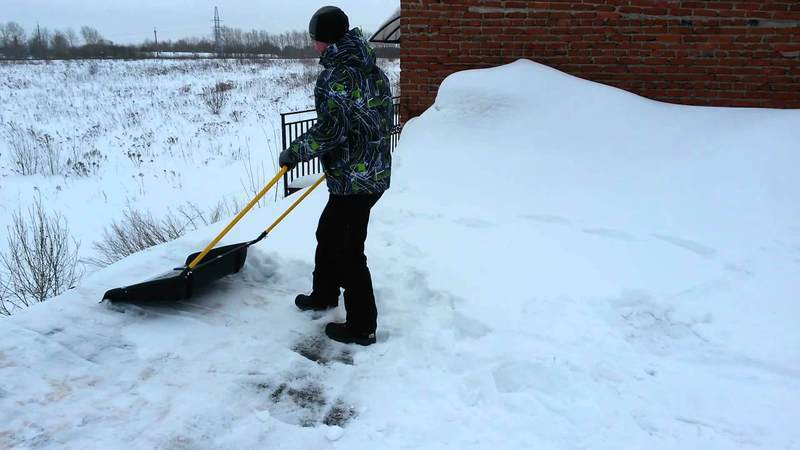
(351, 50)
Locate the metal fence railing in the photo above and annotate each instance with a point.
(295, 123)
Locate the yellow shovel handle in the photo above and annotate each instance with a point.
(297, 202)
(236, 220)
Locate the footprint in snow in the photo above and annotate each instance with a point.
(544, 218)
(410, 250)
(472, 222)
(692, 246)
(744, 270)
(322, 351)
(181, 443)
(305, 403)
(33, 436)
(54, 331)
(610, 233)
(657, 327)
(5, 362)
(467, 327)
(552, 378)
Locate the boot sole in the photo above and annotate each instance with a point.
(360, 341)
(315, 308)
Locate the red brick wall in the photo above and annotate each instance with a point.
(714, 52)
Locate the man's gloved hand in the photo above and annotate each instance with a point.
(286, 159)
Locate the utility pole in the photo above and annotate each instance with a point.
(217, 34)
(39, 46)
(155, 34)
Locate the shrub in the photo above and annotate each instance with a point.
(139, 230)
(33, 152)
(50, 152)
(93, 68)
(216, 97)
(22, 144)
(135, 232)
(224, 86)
(86, 164)
(41, 260)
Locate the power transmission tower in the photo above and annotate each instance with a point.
(217, 34)
(39, 46)
(155, 33)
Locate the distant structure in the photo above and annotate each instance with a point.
(155, 35)
(217, 34)
(38, 48)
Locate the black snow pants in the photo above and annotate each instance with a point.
(340, 261)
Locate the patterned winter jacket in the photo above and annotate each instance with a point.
(354, 119)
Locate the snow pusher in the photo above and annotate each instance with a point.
(205, 267)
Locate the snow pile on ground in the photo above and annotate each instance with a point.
(558, 264)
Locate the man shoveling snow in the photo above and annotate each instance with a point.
(351, 137)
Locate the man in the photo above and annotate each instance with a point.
(351, 137)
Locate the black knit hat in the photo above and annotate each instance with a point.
(328, 24)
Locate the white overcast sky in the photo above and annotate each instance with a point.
(133, 21)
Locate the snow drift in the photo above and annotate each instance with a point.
(559, 264)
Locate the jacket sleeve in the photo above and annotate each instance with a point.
(331, 96)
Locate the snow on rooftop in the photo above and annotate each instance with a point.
(558, 264)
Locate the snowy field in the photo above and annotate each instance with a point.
(140, 136)
(558, 265)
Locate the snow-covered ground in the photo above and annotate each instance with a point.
(146, 135)
(558, 265)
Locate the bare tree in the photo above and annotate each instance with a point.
(59, 44)
(91, 36)
(4, 34)
(39, 42)
(11, 31)
(42, 258)
(72, 37)
(301, 39)
(5, 306)
(232, 39)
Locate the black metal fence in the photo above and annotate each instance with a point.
(293, 124)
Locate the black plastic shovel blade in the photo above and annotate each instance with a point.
(181, 283)
(218, 263)
(169, 287)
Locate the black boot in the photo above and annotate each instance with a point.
(311, 303)
(342, 332)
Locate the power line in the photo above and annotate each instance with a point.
(191, 29)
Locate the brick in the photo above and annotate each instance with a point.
(735, 53)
